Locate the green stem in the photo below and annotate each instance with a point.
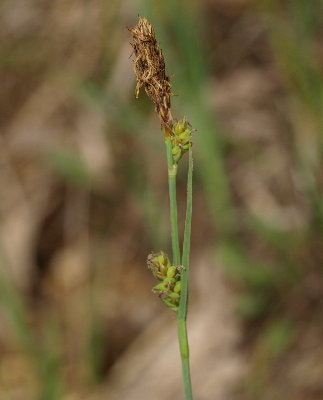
(185, 357)
(182, 312)
(172, 172)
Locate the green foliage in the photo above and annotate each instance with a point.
(251, 304)
(277, 337)
(259, 279)
(69, 166)
(254, 274)
(43, 355)
(96, 342)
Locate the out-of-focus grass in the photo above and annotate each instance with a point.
(42, 353)
(275, 339)
(296, 49)
(69, 166)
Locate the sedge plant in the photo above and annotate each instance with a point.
(172, 274)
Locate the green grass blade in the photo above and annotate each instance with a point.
(187, 241)
(182, 312)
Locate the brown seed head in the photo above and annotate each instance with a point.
(149, 68)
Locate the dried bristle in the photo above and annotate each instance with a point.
(149, 68)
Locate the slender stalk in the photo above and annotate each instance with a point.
(172, 173)
(182, 312)
(185, 357)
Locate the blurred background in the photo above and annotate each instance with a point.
(84, 200)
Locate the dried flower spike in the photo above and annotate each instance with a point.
(149, 68)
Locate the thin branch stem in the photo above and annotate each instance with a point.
(183, 305)
(172, 173)
(185, 357)
(182, 312)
